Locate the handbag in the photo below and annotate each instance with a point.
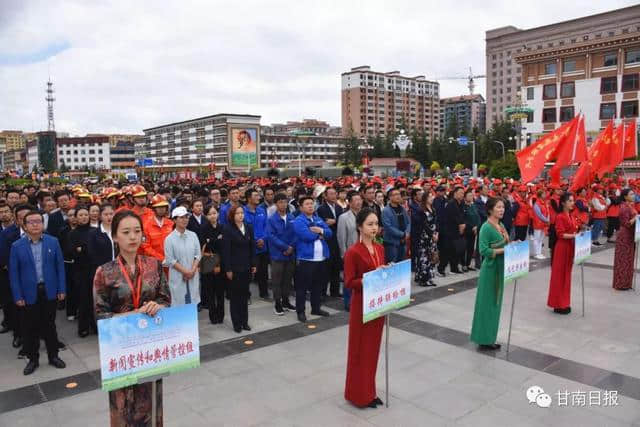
(435, 257)
(209, 263)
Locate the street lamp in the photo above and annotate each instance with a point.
(302, 136)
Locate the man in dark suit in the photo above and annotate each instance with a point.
(7, 237)
(58, 216)
(196, 220)
(36, 271)
(329, 211)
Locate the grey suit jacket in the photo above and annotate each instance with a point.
(347, 231)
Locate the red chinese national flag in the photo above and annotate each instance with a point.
(531, 160)
(630, 140)
(600, 152)
(571, 150)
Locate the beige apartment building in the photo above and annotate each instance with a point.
(14, 139)
(503, 45)
(375, 103)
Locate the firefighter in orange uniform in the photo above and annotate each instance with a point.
(156, 229)
(140, 201)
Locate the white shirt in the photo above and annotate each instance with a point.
(108, 233)
(198, 218)
(317, 251)
(242, 229)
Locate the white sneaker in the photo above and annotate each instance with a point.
(71, 318)
(540, 257)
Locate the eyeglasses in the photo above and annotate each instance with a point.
(34, 221)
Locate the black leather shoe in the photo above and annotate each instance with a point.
(57, 362)
(286, 305)
(17, 342)
(246, 327)
(61, 346)
(31, 366)
(83, 334)
(372, 404)
(302, 318)
(490, 346)
(320, 313)
(4, 330)
(237, 329)
(22, 354)
(378, 401)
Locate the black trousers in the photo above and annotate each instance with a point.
(214, 286)
(333, 265)
(40, 322)
(469, 252)
(83, 288)
(9, 308)
(521, 232)
(71, 301)
(262, 274)
(238, 305)
(448, 255)
(311, 277)
(613, 224)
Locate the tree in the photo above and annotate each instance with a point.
(377, 144)
(350, 151)
(507, 168)
(437, 150)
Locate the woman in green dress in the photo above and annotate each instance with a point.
(486, 315)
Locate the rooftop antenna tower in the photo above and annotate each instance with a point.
(51, 125)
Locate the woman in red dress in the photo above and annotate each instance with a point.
(562, 263)
(625, 246)
(364, 338)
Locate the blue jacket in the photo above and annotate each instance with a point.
(224, 208)
(305, 238)
(280, 237)
(392, 235)
(22, 270)
(258, 220)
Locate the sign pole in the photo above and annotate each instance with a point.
(582, 280)
(386, 361)
(154, 404)
(513, 303)
(635, 268)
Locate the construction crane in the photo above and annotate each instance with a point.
(470, 78)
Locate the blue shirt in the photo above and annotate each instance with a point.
(36, 250)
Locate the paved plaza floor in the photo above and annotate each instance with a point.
(294, 376)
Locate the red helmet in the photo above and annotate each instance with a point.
(138, 191)
(158, 201)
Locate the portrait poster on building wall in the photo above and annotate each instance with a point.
(243, 150)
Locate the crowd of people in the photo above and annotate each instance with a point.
(66, 248)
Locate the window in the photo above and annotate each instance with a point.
(529, 93)
(566, 114)
(629, 109)
(550, 68)
(568, 65)
(610, 59)
(608, 111)
(630, 82)
(609, 85)
(530, 117)
(568, 90)
(549, 115)
(632, 56)
(549, 92)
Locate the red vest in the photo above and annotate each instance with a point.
(581, 217)
(522, 216)
(537, 222)
(603, 213)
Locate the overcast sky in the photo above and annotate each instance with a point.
(122, 66)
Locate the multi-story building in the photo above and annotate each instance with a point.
(229, 141)
(375, 103)
(467, 111)
(599, 77)
(122, 155)
(114, 139)
(32, 155)
(14, 139)
(15, 160)
(86, 151)
(503, 45)
(286, 150)
(318, 127)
